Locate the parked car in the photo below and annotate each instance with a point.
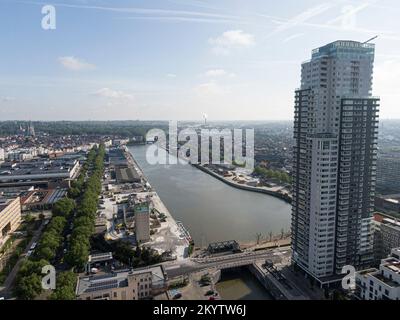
(177, 296)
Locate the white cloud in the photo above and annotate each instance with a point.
(231, 39)
(113, 94)
(210, 88)
(171, 75)
(75, 64)
(213, 73)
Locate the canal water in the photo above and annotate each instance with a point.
(210, 209)
(240, 284)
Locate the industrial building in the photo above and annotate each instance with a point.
(41, 199)
(40, 172)
(10, 217)
(136, 284)
(142, 221)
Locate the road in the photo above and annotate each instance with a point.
(177, 268)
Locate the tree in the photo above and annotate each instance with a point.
(29, 279)
(65, 290)
(78, 254)
(29, 287)
(29, 218)
(63, 207)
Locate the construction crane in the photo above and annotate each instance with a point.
(369, 40)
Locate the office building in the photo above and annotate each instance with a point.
(2, 155)
(142, 221)
(382, 283)
(335, 132)
(10, 217)
(136, 284)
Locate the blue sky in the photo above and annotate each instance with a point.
(179, 59)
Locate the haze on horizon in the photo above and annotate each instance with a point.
(180, 59)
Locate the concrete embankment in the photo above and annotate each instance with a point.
(282, 196)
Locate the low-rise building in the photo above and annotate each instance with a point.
(10, 217)
(136, 284)
(382, 283)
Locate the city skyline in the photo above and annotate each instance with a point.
(179, 59)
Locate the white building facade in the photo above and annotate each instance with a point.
(335, 132)
(382, 283)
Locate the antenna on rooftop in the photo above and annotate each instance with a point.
(369, 40)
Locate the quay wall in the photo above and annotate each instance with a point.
(244, 187)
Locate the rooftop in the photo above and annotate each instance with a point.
(344, 47)
(118, 279)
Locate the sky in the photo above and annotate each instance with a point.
(180, 59)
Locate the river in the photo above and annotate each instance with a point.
(210, 209)
(240, 284)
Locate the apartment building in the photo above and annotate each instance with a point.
(334, 160)
(382, 283)
(10, 217)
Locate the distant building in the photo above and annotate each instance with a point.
(31, 130)
(136, 284)
(142, 221)
(10, 217)
(388, 173)
(120, 142)
(388, 204)
(386, 235)
(2, 155)
(137, 139)
(52, 173)
(382, 283)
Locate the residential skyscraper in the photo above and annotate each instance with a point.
(334, 167)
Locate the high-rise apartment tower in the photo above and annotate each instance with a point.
(334, 160)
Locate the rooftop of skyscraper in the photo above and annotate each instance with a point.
(343, 46)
